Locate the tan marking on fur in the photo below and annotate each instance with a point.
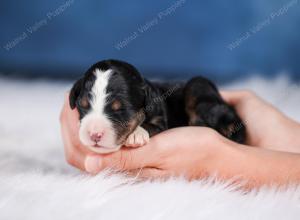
(84, 102)
(128, 127)
(190, 110)
(156, 120)
(116, 105)
(193, 118)
(227, 132)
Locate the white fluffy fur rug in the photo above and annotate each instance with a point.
(36, 182)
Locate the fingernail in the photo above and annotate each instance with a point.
(92, 164)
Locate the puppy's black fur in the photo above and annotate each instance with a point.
(157, 106)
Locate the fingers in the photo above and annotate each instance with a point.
(67, 114)
(76, 154)
(149, 173)
(234, 97)
(122, 160)
(131, 158)
(69, 121)
(73, 156)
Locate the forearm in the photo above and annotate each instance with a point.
(291, 140)
(258, 166)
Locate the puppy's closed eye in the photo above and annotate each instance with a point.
(116, 105)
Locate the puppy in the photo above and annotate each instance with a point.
(118, 107)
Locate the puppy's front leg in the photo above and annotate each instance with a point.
(137, 138)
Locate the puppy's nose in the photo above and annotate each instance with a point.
(96, 137)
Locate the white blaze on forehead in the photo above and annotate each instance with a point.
(96, 121)
(98, 91)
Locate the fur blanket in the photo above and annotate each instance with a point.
(36, 182)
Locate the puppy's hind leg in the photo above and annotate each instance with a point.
(205, 107)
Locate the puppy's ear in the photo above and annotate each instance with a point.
(147, 93)
(74, 93)
(151, 100)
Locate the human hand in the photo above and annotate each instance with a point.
(266, 126)
(192, 152)
(75, 152)
(189, 151)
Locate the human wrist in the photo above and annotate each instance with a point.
(235, 162)
(296, 131)
(282, 134)
(255, 167)
(290, 140)
(224, 158)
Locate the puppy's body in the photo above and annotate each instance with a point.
(118, 107)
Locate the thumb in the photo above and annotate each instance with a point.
(235, 97)
(149, 173)
(131, 158)
(231, 97)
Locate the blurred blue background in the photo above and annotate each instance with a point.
(224, 40)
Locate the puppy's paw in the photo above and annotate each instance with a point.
(137, 138)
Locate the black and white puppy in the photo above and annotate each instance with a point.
(117, 107)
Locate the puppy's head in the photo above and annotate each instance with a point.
(110, 98)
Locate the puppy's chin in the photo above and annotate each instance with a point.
(103, 150)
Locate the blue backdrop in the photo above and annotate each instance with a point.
(170, 38)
